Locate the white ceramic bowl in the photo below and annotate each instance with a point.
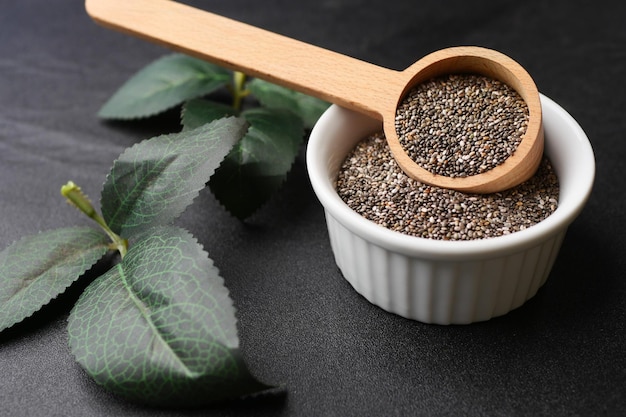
(447, 282)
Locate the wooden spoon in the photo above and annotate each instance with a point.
(337, 78)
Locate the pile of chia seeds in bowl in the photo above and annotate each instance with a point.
(461, 124)
(457, 126)
(373, 185)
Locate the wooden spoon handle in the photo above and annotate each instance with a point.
(312, 70)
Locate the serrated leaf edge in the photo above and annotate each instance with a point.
(185, 106)
(263, 387)
(193, 194)
(260, 206)
(148, 115)
(58, 294)
(282, 183)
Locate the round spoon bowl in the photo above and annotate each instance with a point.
(492, 64)
(446, 282)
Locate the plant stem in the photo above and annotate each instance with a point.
(78, 199)
(238, 89)
(118, 242)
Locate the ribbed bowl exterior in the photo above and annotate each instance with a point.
(441, 292)
(447, 282)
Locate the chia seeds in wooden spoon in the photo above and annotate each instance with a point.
(461, 125)
(371, 183)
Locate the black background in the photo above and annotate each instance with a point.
(300, 323)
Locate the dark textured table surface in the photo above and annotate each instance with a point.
(301, 325)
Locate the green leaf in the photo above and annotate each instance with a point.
(308, 108)
(198, 112)
(163, 84)
(36, 269)
(258, 165)
(160, 328)
(154, 181)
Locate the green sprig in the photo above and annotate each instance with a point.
(250, 175)
(78, 199)
(164, 293)
(158, 327)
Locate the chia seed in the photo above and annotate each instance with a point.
(372, 184)
(461, 124)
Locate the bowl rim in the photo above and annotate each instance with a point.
(555, 118)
